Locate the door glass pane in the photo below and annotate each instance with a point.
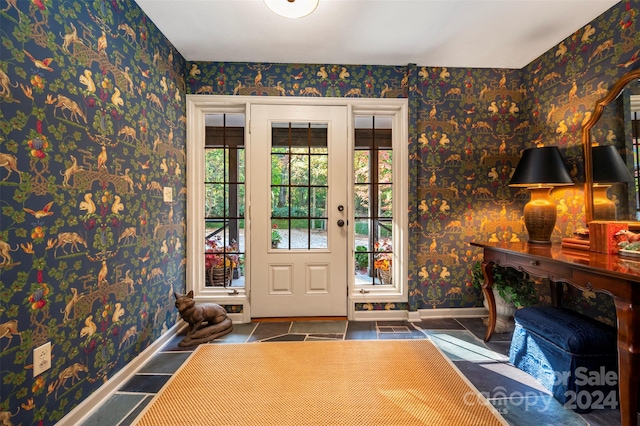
(319, 203)
(224, 239)
(299, 185)
(300, 169)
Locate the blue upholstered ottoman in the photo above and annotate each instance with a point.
(571, 355)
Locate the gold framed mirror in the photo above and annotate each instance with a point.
(611, 123)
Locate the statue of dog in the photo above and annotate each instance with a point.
(207, 321)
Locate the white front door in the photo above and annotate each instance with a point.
(299, 193)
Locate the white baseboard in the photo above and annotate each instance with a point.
(420, 314)
(93, 401)
(453, 313)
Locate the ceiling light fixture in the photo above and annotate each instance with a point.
(292, 8)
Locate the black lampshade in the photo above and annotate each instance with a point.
(541, 165)
(608, 166)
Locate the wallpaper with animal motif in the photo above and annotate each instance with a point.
(468, 128)
(466, 136)
(564, 85)
(92, 128)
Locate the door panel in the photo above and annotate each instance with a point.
(299, 179)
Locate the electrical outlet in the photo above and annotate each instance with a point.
(41, 359)
(168, 194)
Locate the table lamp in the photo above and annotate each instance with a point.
(608, 168)
(540, 170)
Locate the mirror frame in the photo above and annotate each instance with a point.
(613, 93)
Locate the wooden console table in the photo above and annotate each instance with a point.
(611, 274)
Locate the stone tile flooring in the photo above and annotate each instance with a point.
(516, 395)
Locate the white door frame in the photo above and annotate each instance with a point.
(198, 106)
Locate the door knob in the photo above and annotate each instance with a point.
(341, 223)
(340, 208)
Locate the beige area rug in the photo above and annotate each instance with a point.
(360, 382)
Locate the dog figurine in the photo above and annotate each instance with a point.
(207, 321)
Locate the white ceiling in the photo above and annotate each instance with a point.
(452, 33)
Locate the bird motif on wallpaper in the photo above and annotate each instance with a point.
(128, 179)
(88, 205)
(102, 158)
(144, 73)
(117, 206)
(90, 327)
(432, 179)
(552, 110)
(433, 246)
(116, 99)
(631, 60)
(502, 84)
(573, 91)
(258, 79)
(146, 257)
(39, 214)
(42, 64)
(102, 43)
(102, 275)
(502, 149)
(433, 112)
(86, 80)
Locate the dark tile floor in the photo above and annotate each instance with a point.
(516, 395)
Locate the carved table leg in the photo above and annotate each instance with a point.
(487, 271)
(628, 360)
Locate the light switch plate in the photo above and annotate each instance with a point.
(41, 359)
(168, 194)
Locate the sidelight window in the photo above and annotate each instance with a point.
(224, 215)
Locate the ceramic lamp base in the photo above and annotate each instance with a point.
(540, 215)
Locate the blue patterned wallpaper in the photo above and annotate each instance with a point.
(92, 127)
